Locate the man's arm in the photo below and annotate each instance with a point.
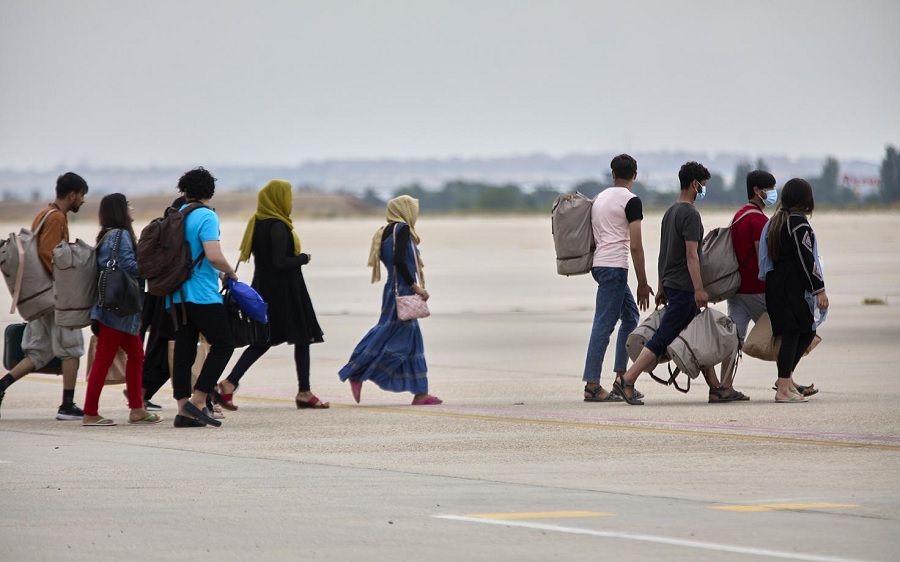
(693, 264)
(637, 256)
(215, 256)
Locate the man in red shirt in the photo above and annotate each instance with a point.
(750, 301)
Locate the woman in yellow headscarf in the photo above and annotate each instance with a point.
(272, 241)
(392, 354)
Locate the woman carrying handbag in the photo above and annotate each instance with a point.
(111, 321)
(278, 278)
(392, 354)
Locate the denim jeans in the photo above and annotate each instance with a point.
(680, 310)
(614, 303)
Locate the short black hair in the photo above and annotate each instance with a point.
(70, 182)
(761, 179)
(690, 172)
(197, 184)
(797, 195)
(624, 167)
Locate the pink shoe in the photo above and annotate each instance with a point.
(427, 401)
(356, 389)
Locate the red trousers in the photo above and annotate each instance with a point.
(109, 340)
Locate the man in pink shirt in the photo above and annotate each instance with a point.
(616, 221)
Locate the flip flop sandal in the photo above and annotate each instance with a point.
(313, 403)
(717, 395)
(610, 396)
(149, 420)
(794, 399)
(102, 422)
(429, 401)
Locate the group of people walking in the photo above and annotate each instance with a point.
(780, 274)
(391, 355)
(779, 266)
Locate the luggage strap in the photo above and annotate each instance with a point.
(20, 274)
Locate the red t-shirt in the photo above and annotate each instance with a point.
(744, 236)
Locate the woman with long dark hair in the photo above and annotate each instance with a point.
(791, 245)
(114, 331)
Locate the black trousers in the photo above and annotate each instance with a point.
(156, 367)
(252, 354)
(793, 345)
(211, 320)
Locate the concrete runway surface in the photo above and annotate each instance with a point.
(514, 465)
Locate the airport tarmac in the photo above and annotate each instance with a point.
(514, 465)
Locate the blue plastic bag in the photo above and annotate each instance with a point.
(248, 300)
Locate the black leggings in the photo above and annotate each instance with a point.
(254, 352)
(793, 345)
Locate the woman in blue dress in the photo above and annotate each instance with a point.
(392, 354)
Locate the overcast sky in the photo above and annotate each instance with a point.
(265, 82)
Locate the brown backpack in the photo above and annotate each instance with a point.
(164, 254)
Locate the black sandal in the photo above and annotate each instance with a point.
(610, 396)
(620, 386)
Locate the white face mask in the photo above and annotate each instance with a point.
(771, 197)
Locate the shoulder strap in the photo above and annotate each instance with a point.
(750, 212)
(43, 220)
(20, 274)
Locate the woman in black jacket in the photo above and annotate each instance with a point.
(278, 278)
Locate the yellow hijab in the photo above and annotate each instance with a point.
(400, 209)
(273, 202)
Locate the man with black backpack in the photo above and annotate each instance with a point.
(43, 338)
(198, 305)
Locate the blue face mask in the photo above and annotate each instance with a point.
(771, 197)
(702, 194)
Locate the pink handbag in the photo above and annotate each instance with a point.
(409, 307)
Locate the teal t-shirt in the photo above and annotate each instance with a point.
(202, 225)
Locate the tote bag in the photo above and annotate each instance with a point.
(761, 344)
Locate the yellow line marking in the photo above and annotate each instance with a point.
(780, 506)
(580, 424)
(538, 515)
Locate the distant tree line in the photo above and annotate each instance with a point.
(474, 197)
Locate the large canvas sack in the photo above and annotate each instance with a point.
(638, 339)
(720, 268)
(13, 353)
(74, 283)
(573, 237)
(762, 344)
(164, 254)
(28, 282)
(711, 338)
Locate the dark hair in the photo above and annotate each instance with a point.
(70, 182)
(197, 184)
(761, 179)
(624, 167)
(691, 171)
(114, 214)
(796, 197)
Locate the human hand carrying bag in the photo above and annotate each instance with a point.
(244, 328)
(409, 307)
(119, 292)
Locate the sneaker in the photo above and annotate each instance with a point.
(69, 412)
(151, 407)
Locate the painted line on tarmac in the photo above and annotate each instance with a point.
(751, 508)
(538, 515)
(717, 547)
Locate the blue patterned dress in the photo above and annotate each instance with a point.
(392, 354)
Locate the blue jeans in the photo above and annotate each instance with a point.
(614, 302)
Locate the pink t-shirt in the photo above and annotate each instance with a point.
(614, 209)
